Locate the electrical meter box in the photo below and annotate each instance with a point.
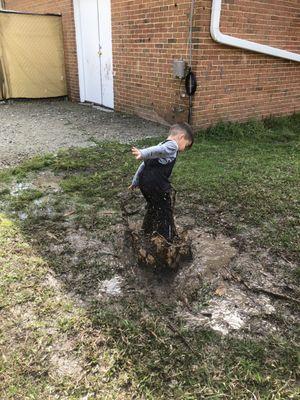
(179, 68)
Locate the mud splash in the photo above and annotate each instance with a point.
(209, 292)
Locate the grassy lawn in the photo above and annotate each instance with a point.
(56, 344)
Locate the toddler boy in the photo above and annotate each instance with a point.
(152, 177)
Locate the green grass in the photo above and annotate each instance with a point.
(237, 176)
(256, 183)
(270, 129)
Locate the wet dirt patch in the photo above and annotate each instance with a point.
(211, 253)
(47, 181)
(230, 310)
(19, 187)
(221, 288)
(244, 299)
(44, 180)
(211, 292)
(63, 363)
(86, 263)
(33, 197)
(110, 287)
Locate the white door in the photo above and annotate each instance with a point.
(94, 49)
(104, 7)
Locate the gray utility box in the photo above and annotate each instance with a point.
(179, 68)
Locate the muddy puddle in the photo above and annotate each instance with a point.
(221, 287)
(214, 289)
(44, 180)
(47, 180)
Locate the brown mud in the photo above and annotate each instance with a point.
(234, 290)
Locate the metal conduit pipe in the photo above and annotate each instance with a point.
(219, 37)
(191, 19)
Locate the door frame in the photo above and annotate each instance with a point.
(79, 48)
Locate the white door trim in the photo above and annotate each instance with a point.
(79, 50)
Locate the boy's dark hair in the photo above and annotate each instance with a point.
(185, 128)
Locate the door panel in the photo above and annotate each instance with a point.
(94, 48)
(106, 52)
(89, 29)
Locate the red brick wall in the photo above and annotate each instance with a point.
(64, 7)
(241, 84)
(233, 84)
(144, 46)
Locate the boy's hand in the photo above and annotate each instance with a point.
(136, 152)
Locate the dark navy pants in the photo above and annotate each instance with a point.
(159, 212)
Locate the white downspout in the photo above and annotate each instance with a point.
(219, 37)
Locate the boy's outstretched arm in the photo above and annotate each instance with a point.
(167, 149)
